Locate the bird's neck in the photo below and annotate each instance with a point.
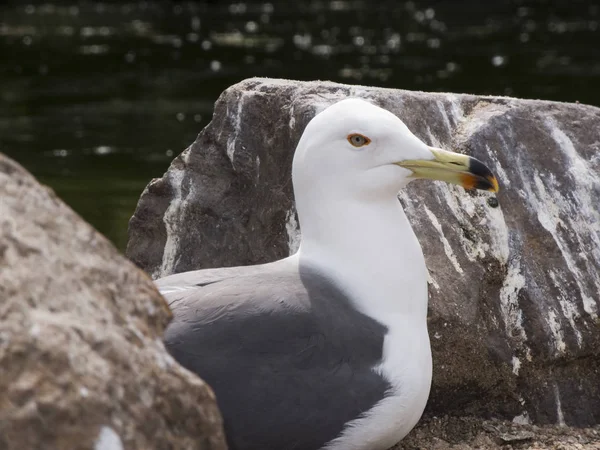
(369, 248)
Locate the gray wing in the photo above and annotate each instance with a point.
(171, 286)
(288, 357)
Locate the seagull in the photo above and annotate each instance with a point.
(328, 348)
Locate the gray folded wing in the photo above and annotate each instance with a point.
(289, 358)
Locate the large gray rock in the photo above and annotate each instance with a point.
(515, 280)
(82, 365)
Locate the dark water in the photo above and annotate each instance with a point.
(96, 98)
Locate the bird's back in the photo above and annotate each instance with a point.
(289, 358)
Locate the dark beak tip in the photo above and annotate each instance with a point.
(494, 186)
(488, 183)
(487, 180)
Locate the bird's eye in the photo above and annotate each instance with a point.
(358, 140)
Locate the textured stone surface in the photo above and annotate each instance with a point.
(473, 433)
(515, 284)
(81, 357)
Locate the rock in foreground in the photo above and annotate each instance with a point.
(515, 280)
(83, 365)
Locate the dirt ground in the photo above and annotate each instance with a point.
(466, 433)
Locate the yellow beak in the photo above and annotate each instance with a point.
(454, 168)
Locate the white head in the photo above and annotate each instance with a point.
(352, 160)
(356, 149)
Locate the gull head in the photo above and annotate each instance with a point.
(356, 149)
